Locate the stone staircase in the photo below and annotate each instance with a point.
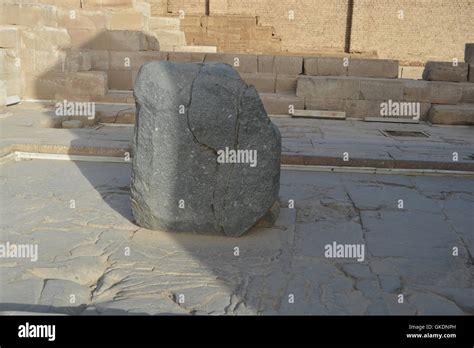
(52, 49)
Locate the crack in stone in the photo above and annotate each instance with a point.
(236, 144)
(188, 107)
(205, 146)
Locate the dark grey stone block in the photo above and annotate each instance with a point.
(186, 115)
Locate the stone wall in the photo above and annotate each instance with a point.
(425, 30)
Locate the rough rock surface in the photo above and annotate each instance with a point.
(186, 114)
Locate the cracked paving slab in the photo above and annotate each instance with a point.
(94, 251)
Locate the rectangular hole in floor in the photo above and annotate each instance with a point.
(402, 133)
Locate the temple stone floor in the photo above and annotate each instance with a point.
(82, 253)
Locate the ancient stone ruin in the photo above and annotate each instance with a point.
(206, 155)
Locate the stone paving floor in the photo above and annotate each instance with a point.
(320, 138)
(93, 260)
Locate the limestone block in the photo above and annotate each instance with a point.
(288, 65)
(328, 87)
(324, 104)
(209, 196)
(242, 22)
(461, 114)
(246, 63)
(265, 63)
(9, 61)
(432, 92)
(49, 60)
(30, 15)
(164, 23)
(219, 58)
(118, 40)
(381, 89)
(125, 20)
(215, 21)
(170, 37)
(286, 84)
(9, 36)
(124, 40)
(87, 39)
(43, 86)
(280, 104)
(51, 38)
(377, 68)
(324, 66)
(446, 71)
(186, 57)
(190, 21)
(107, 4)
(120, 80)
(99, 60)
(362, 108)
(264, 83)
(87, 82)
(132, 60)
(195, 49)
(81, 19)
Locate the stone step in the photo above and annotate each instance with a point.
(446, 71)
(461, 114)
(271, 83)
(84, 85)
(322, 114)
(327, 66)
(378, 89)
(170, 37)
(114, 40)
(281, 104)
(195, 49)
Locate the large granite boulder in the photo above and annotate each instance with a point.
(191, 120)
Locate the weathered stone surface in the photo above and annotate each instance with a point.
(281, 104)
(432, 92)
(288, 65)
(445, 71)
(263, 82)
(461, 114)
(381, 89)
(329, 87)
(286, 84)
(175, 154)
(324, 66)
(382, 68)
